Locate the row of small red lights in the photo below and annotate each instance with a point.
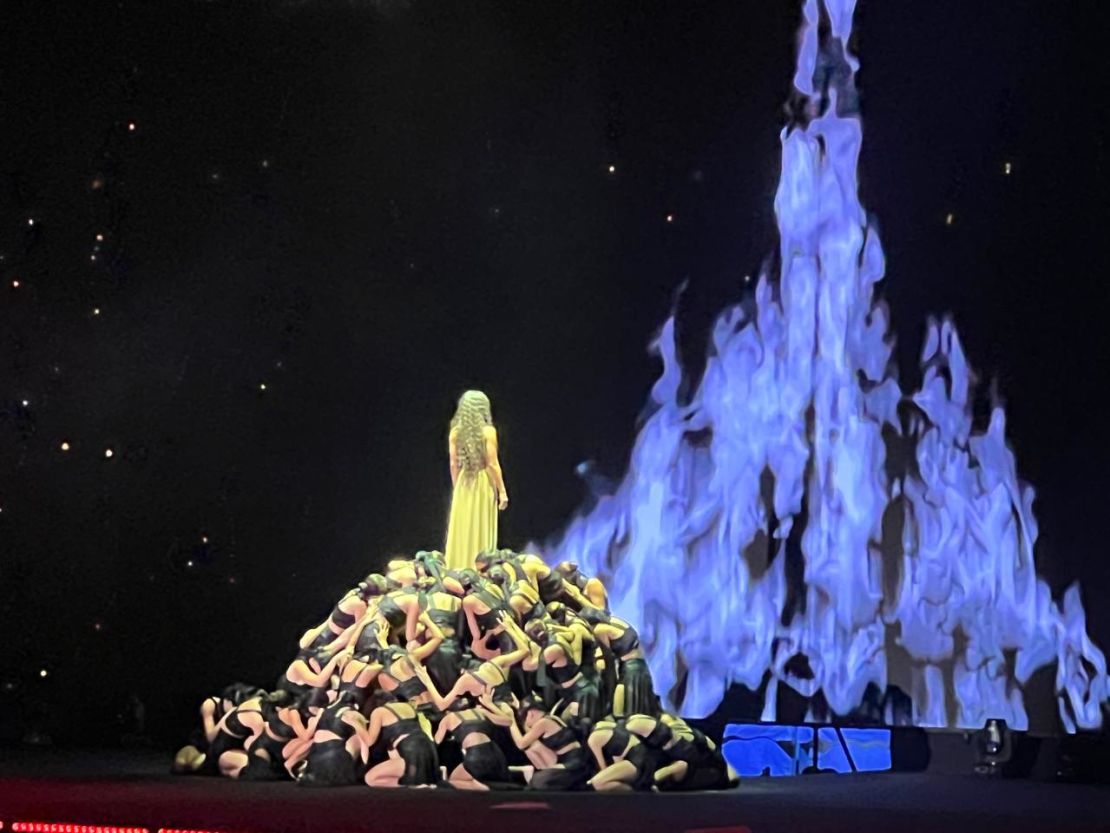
(46, 827)
(52, 827)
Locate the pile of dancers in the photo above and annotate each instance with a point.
(513, 674)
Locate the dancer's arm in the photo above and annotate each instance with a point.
(441, 731)
(308, 676)
(500, 714)
(369, 734)
(596, 741)
(453, 456)
(351, 635)
(477, 638)
(523, 741)
(311, 634)
(464, 685)
(520, 639)
(572, 590)
(413, 615)
(295, 721)
(208, 717)
(572, 647)
(605, 633)
(493, 466)
(422, 652)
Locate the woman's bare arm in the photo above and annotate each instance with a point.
(453, 456)
(441, 730)
(493, 466)
(463, 685)
(309, 677)
(477, 638)
(422, 652)
(529, 737)
(373, 728)
(350, 635)
(522, 651)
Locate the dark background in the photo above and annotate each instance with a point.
(369, 207)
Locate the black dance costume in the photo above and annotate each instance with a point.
(625, 746)
(393, 613)
(235, 694)
(276, 734)
(574, 771)
(339, 617)
(551, 590)
(583, 692)
(707, 767)
(230, 735)
(329, 762)
(491, 619)
(484, 761)
(416, 749)
(444, 663)
(580, 581)
(633, 674)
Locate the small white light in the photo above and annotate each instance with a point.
(747, 278)
(15, 284)
(189, 563)
(1008, 168)
(92, 258)
(131, 126)
(96, 310)
(109, 453)
(949, 219)
(65, 446)
(43, 672)
(612, 169)
(265, 163)
(204, 539)
(26, 403)
(100, 238)
(670, 218)
(30, 221)
(262, 386)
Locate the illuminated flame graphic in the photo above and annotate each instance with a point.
(799, 462)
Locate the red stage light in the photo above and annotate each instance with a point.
(53, 827)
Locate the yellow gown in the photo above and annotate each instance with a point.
(472, 526)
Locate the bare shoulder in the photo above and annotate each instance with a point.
(489, 432)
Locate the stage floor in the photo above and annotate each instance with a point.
(134, 789)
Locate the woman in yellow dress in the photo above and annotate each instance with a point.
(479, 489)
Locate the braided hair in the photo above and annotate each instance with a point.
(471, 416)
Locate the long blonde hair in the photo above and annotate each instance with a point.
(471, 416)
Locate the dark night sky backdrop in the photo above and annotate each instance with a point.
(372, 206)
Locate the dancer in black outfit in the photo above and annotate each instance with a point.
(483, 765)
(624, 761)
(336, 756)
(558, 759)
(406, 737)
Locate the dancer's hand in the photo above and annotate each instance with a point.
(503, 503)
(486, 699)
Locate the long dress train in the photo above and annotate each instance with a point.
(472, 526)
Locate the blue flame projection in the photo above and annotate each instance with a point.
(792, 443)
